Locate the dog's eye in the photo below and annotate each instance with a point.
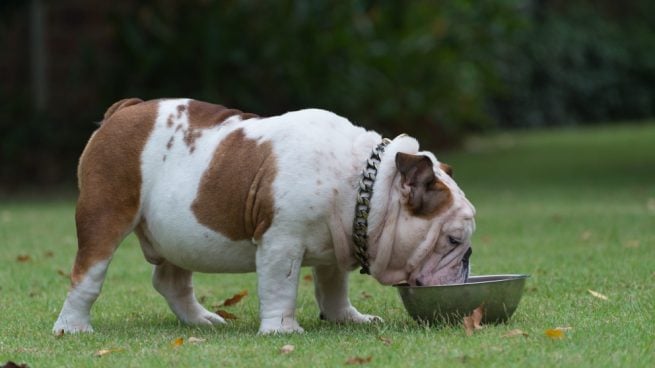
(454, 241)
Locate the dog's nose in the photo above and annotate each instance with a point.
(467, 255)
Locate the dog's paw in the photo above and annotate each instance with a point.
(350, 315)
(279, 326)
(203, 318)
(62, 327)
(367, 318)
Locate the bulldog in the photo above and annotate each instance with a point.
(211, 189)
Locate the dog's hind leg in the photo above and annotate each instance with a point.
(108, 207)
(176, 286)
(99, 230)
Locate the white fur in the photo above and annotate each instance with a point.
(74, 315)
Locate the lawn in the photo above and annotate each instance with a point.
(573, 208)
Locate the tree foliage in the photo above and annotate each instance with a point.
(435, 69)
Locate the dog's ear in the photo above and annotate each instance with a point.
(427, 195)
(447, 169)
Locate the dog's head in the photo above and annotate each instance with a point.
(425, 236)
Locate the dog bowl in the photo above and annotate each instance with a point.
(448, 304)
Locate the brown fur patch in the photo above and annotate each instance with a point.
(121, 105)
(235, 196)
(203, 115)
(433, 203)
(428, 195)
(190, 136)
(180, 110)
(109, 175)
(446, 168)
(437, 200)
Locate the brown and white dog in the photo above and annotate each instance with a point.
(211, 189)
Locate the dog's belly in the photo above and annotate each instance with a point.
(180, 240)
(175, 235)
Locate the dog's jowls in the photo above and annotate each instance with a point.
(211, 189)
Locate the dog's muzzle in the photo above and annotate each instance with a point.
(465, 263)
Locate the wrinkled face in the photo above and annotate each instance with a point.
(433, 237)
(448, 262)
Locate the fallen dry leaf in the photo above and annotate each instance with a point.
(49, 254)
(286, 349)
(515, 332)
(225, 314)
(103, 352)
(11, 364)
(359, 360)
(385, 340)
(235, 298)
(178, 342)
(597, 294)
(586, 235)
(308, 278)
(61, 272)
(366, 295)
(473, 321)
(651, 205)
(556, 333)
(196, 340)
(22, 258)
(633, 244)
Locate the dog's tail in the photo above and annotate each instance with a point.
(120, 105)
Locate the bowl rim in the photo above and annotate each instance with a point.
(500, 278)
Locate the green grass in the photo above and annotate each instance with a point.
(573, 208)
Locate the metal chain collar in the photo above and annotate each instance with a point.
(363, 206)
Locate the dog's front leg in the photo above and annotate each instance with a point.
(278, 271)
(331, 290)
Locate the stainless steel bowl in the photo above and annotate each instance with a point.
(448, 304)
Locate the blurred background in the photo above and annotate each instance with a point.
(439, 70)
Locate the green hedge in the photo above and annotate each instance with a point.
(436, 69)
(420, 66)
(587, 62)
